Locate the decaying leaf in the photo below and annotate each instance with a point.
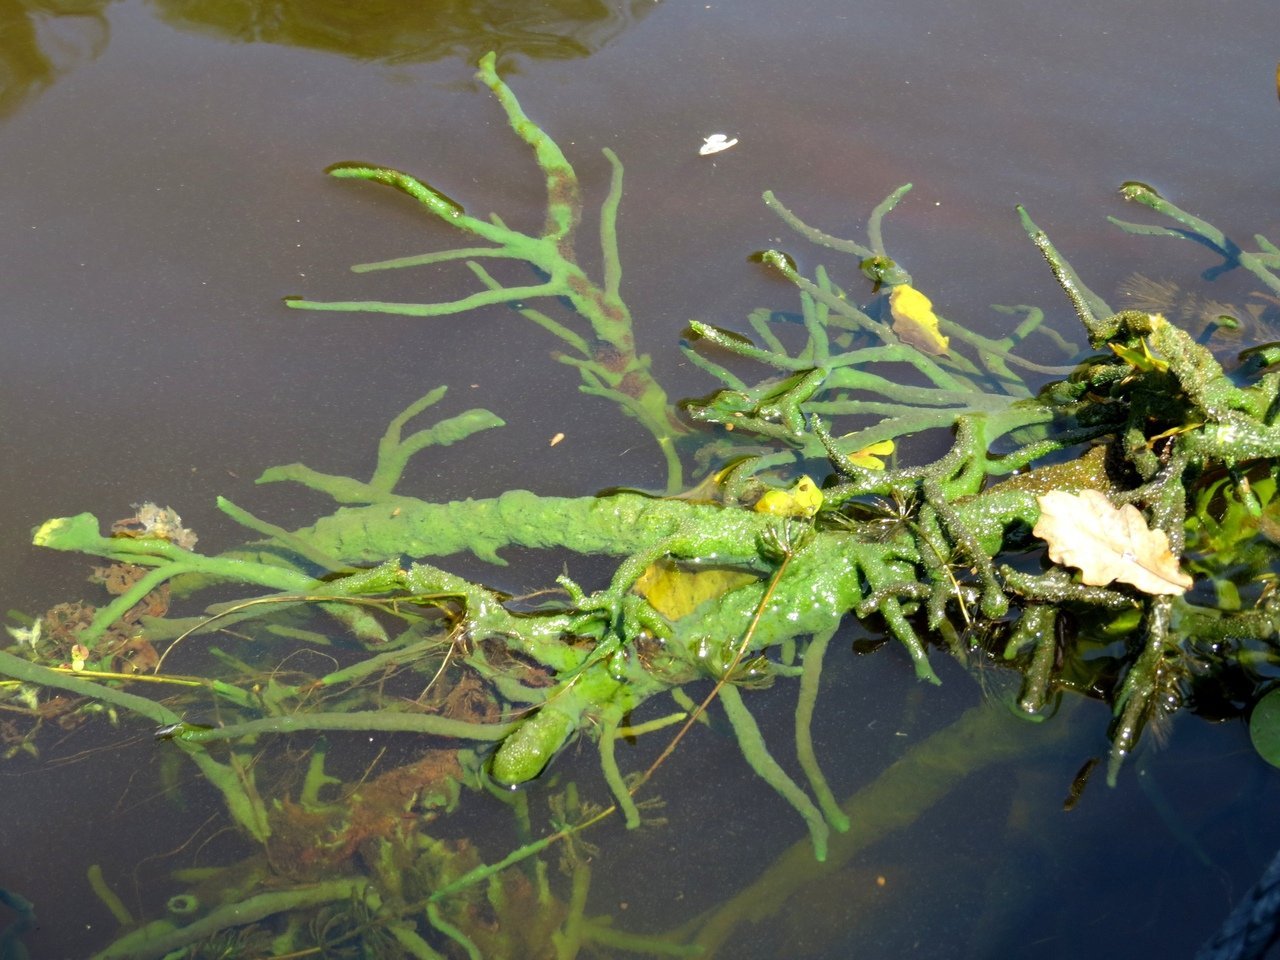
(914, 320)
(1106, 544)
(152, 521)
(676, 591)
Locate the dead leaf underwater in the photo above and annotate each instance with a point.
(1107, 544)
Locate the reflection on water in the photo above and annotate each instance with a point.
(407, 32)
(163, 192)
(44, 40)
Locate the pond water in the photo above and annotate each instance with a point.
(163, 191)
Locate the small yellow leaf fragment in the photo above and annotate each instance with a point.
(914, 320)
(556, 439)
(869, 456)
(1143, 360)
(1107, 544)
(1173, 432)
(48, 531)
(802, 500)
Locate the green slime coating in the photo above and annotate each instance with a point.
(525, 753)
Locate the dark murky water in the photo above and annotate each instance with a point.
(162, 190)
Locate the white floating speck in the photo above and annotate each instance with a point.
(715, 143)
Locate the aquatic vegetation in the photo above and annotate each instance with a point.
(605, 355)
(739, 583)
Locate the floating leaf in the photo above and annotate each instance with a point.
(869, 456)
(914, 320)
(675, 591)
(1105, 544)
(716, 143)
(802, 500)
(1264, 727)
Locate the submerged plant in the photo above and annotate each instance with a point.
(605, 353)
(738, 583)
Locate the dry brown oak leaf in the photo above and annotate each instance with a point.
(1105, 544)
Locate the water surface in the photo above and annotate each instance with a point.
(163, 190)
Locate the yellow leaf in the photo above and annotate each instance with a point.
(802, 500)
(1173, 432)
(1105, 544)
(676, 592)
(869, 457)
(709, 489)
(914, 320)
(1143, 360)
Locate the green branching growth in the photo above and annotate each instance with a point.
(1262, 263)
(605, 353)
(735, 585)
(394, 452)
(893, 361)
